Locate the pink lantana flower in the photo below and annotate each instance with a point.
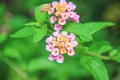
(62, 11)
(71, 52)
(65, 15)
(51, 57)
(53, 19)
(60, 58)
(59, 44)
(57, 27)
(62, 21)
(55, 52)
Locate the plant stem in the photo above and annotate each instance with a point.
(16, 69)
(101, 56)
(107, 58)
(49, 30)
(50, 23)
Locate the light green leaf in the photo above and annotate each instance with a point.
(95, 66)
(96, 26)
(40, 17)
(100, 46)
(40, 33)
(24, 32)
(113, 52)
(12, 53)
(40, 64)
(3, 37)
(79, 30)
(31, 24)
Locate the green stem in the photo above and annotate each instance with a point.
(16, 69)
(49, 31)
(108, 58)
(101, 56)
(52, 26)
(50, 23)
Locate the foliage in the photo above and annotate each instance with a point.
(23, 55)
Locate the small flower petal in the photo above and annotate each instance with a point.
(68, 46)
(62, 21)
(53, 19)
(60, 58)
(71, 52)
(64, 15)
(49, 47)
(57, 27)
(51, 57)
(55, 52)
(56, 33)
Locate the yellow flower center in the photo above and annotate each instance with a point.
(63, 50)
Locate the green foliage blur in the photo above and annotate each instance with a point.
(22, 59)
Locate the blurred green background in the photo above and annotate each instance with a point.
(21, 59)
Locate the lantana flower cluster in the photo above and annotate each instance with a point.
(61, 12)
(59, 44)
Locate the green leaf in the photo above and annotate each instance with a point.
(17, 22)
(24, 32)
(40, 33)
(32, 24)
(40, 17)
(2, 12)
(3, 37)
(79, 30)
(42, 44)
(96, 26)
(113, 52)
(84, 49)
(40, 64)
(100, 46)
(95, 66)
(117, 57)
(12, 53)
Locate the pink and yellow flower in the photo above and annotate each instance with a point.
(63, 11)
(60, 58)
(53, 19)
(55, 52)
(57, 27)
(60, 44)
(62, 21)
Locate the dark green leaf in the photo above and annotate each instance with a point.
(40, 64)
(42, 44)
(95, 66)
(40, 33)
(24, 32)
(2, 12)
(117, 57)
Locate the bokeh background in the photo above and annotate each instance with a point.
(21, 59)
